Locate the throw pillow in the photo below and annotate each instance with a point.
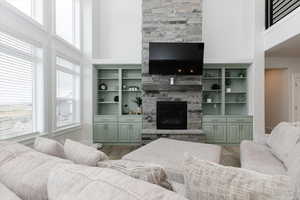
(210, 181)
(82, 154)
(151, 173)
(282, 139)
(48, 146)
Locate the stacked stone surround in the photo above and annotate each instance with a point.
(171, 21)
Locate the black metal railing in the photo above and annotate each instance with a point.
(278, 9)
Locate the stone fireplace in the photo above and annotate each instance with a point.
(171, 21)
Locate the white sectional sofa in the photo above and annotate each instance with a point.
(280, 155)
(26, 174)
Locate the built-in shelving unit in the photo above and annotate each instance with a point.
(225, 90)
(225, 103)
(117, 116)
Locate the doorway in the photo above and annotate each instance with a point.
(296, 97)
(276, 97)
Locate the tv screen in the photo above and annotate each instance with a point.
(176, 58)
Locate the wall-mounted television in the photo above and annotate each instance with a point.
(176, 58)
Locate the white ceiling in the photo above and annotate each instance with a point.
(289, 48)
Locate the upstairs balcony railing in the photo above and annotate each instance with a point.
(278, 9)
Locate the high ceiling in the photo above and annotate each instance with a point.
(289, 48)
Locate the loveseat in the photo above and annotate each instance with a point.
(279, 155)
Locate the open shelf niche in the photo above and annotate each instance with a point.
(225, 89)
(117, 89)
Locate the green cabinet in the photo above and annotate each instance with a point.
(233, 133)
(227, 129)
(215, 133)
(117, 118)
(106, 132)
(130, 132)
(124, 130)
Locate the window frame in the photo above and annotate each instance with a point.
(74, 25)
(31, 19)
(37, 70)
(77, 107)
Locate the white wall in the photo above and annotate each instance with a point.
(257, 72)
(23, 27)
(285, 29)
(228, 30)
(118, 29)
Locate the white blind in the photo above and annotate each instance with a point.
(67, 92)
(17, 66)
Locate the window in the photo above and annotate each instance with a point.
(68, 21)
(67, 93)
(32, 8)
(20, 63)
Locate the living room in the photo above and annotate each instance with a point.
(149, 99)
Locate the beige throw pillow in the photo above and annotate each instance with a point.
(210, 181)
(82, 154)
(50, 147)
(151, 173)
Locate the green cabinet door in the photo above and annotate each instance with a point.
(220, 133)
(209, 132)
(130, 132)
(105, 132)
(233, 133)
(124, 132)
(136, 134)
(215, 132)
(246, 130)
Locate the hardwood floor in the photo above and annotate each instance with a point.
(230, 154)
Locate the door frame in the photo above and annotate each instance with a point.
(294, 77)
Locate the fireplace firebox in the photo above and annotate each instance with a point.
(171, 115)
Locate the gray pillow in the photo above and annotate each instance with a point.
(210, 181)
(151, 173)
(48, 146)
(82, 154)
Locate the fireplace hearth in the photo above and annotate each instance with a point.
(171, 115)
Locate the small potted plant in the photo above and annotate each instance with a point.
(139, 103)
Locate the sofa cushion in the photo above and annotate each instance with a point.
(26, 171)
(83, 154)
(170, 154)
(7, 194)
(210, 181)
(293, 158)
(259, 158)
(50, 147)
(151, 173)
(282, 139)
(292, 164)
(77, 182)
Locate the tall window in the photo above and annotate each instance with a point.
(68, 20)
(32, 8)
(67, 93)
(19, 66)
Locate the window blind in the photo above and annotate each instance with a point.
(16, 87)
(67, 93)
